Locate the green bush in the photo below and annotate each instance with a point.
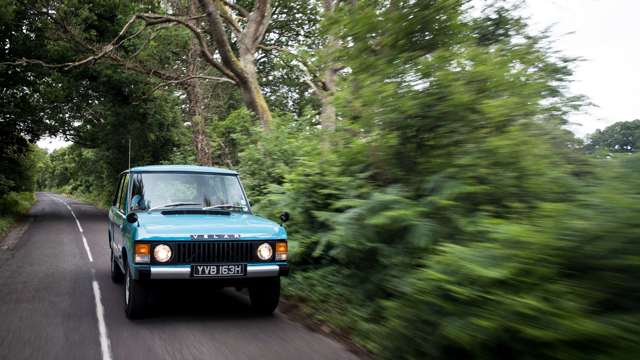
(13, 205)
(442, 277)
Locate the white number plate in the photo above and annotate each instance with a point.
(218, 270)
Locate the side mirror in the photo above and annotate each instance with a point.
(132, 218)
(284, 217)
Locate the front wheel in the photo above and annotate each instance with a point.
(135, 297)
(265, 295)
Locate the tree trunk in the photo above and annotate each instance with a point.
(328, 110)
(327, 113)
(326, 89)
(255, 101)
(198, 123)
(241, 67)
(195, 110)
(251, 90)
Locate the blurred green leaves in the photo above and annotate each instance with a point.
(451, 216)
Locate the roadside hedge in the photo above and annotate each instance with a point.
(12, 205)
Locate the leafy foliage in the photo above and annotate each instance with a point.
(449, 215)
(621, 137)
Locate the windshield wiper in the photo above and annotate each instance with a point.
(224, 206)
(174, 204)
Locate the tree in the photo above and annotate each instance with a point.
(238, 69)
(293, 33)
(222, 19)
(621, 137)
(320, 65)
(29, 96)
(324, 79)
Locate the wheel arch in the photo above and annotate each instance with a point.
(124, 258)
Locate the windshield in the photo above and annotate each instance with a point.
(152, 191)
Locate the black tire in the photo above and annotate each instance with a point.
(135, 296)
(116, 273)
(265, 295)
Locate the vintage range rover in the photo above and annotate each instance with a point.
(193, 223)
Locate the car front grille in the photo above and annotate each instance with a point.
(189, 252)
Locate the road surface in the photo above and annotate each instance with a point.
(57, 304)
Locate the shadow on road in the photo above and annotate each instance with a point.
(197, 301)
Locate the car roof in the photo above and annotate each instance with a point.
(181, 168)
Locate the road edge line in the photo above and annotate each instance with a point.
(84, 239)
(105, 344)
(86, 247)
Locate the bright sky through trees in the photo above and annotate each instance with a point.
(605, 34)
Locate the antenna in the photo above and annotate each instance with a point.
(129, 152)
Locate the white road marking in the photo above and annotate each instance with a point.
(86, 247)
(84, 239)
(78, 223)
(105, 345)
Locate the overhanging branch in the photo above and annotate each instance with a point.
(150, 19)
(202, 77)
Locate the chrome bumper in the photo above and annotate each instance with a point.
(184, 272)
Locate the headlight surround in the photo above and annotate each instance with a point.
(162, 253)
(265, 251)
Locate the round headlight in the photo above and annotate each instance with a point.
(265, 251)
(162, 253)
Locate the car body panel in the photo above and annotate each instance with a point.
(156, 226)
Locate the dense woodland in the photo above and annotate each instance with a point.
(439, 207)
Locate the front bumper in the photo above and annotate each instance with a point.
(184, 271)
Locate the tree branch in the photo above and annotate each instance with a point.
(155, 19)
(150, 19)
(24, 62)
(228, 18)
(257, 24)
(309, 79)
(104, 51)
(217, 32)
(203, 77)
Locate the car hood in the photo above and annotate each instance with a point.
(236, 226)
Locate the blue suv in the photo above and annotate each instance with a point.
(192, 223)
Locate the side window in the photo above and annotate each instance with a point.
(137, 193)
(123, 193)
(116, 196)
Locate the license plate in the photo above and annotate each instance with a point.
(218, 270)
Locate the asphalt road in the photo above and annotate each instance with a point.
(50, 305)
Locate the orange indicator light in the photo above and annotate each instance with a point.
(281, 247)
(143, 249)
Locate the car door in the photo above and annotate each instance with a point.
(119, 216)
(112, 216)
